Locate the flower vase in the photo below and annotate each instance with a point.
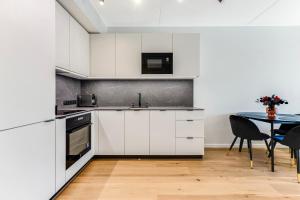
(271, 112)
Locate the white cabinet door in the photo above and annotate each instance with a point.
(128, 54)
(95, 132)
(79, 48)
(157, 42)
(60, 152)
(111, 132)
(189, 146)
(27, 62)
(190, 128)
(62, 37)
(137, 132)
(162, 133)
(103, 55)
(27, 167)
(186, 54)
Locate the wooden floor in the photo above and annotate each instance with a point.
(217, 177)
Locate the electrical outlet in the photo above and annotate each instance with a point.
(70, 102)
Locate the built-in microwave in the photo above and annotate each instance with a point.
(157, 63)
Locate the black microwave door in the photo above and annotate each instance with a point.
(157, 63)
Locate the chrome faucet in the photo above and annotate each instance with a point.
(140, 99)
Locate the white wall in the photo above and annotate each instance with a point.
(238, 65)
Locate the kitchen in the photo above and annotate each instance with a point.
(94, 100)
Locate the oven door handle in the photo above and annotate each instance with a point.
(80, 127)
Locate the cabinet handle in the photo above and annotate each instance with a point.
(190, 138)
(189, 120)
(162, 110)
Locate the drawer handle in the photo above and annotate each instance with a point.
(189, 120)
(190, 138)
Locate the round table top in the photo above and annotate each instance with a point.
(280, 118)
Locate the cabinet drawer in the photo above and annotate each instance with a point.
(189, 146)
(190, 128)
(189, 115)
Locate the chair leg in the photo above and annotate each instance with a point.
(267, 145)
(270, 149)
(250, 153)
(241, 144)
(298, 165)
(234, 140)
(293, 157)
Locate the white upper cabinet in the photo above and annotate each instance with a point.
(157, 42)
(62, 34)
(27, 66)
(79, 48)
(72, 43)
(137, 133)
(111, 132)
(103, 55)
(128, 54)
(118, 55)
(162, 133)
(186, 54)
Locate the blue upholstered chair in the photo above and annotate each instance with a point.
(292, 140)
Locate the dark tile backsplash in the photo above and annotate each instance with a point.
(154, 92)
(66, 89)
(124, 92)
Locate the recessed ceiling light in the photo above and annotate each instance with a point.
(180, 1)
(137, 1)
(101, 2)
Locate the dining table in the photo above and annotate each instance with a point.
(279, 119)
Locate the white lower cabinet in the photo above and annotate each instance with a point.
(155, 132)
(27, 168)
(190, 128)
(162, 132)
(111, 133)
(137, 132)
(190, 132)
(189, 146)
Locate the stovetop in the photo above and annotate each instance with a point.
(67, 112)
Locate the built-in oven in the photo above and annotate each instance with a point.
(78, 137)
(157, 63)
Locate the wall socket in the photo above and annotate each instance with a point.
(70, 102)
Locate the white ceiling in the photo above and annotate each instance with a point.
(197, 13)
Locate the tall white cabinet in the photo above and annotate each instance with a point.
(27, 73)
(27, 167)
(72, 43)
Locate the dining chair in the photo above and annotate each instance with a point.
(292, 140)
(282, 130)
(246, 129)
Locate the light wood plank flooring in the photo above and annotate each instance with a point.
(218, 176)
